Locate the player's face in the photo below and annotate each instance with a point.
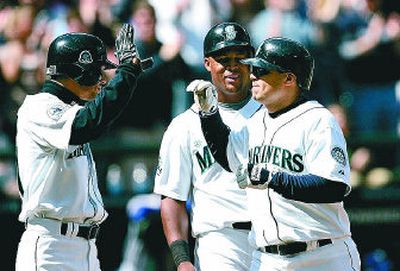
(231, 77)
(89, 92)
(272, 88)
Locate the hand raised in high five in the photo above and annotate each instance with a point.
(125, 48)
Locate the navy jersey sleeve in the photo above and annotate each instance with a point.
(308, 188)
(216, 134)
(95, 117)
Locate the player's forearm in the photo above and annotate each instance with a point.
(307, 188)
(98, 114)
(175, 219)
(176, 229)
(216, 134)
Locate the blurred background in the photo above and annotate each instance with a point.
(356, 45)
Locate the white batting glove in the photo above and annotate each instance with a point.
(205, 96)
(257, 176)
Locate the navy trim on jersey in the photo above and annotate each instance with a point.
(307, 188)
(299, 101)
(61, 92)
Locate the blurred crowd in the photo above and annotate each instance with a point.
(356, 45)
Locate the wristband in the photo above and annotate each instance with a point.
(180, 251)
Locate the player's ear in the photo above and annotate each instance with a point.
(207, 64)
(290, 78)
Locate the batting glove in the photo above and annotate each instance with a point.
(125, 48)
(253, 176)
(205, 96)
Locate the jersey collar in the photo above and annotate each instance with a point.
(302, 99)
(61, 92)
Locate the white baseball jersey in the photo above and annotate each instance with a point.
(304, 140)
(59, 181)
(188, 171)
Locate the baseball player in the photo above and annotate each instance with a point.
(292, 157)
(61, 204)
(187, 170)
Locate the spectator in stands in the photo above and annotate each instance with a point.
(372, 59)
(189, 21)
(20, 65)
(152, 105)
(329, 78)
(281, 18)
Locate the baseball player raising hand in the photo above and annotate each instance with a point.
(61, 203)
(188, 171)
(292, 159)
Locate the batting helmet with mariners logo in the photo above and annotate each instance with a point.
(226, 35)
(79, 56)
(285, 55)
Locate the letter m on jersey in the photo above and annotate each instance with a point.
(204, 160)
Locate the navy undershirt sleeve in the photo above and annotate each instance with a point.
(97, 115)
(216, 134)
(308, 188)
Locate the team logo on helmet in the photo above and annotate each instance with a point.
(230, 32)
(85, 57)
(338, 154)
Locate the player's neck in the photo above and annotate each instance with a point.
(235, 105)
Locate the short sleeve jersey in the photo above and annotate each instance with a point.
(188, 171)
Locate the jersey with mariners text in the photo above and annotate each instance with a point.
(305, 140)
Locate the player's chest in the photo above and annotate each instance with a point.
(284, 146)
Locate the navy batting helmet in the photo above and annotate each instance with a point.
(80, 56)
(226, 35)
(285, 55)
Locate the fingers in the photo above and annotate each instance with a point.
(198, 85)
(124, 44)
(242, 177)
(192, 87)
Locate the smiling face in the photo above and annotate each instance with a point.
(276, 90)
(231, 78)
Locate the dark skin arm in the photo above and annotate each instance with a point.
(175, 222)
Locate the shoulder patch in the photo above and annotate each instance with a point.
(56, 111)
(339, 155)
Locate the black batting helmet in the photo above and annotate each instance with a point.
(80, 56)
(226, 35)
(285, 55)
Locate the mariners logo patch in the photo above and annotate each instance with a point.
(56, 111)
(230, 33)
(338, 154)
(85, 57)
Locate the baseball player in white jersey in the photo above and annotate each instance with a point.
(187, 170)
(61, 203)
(292, 159)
